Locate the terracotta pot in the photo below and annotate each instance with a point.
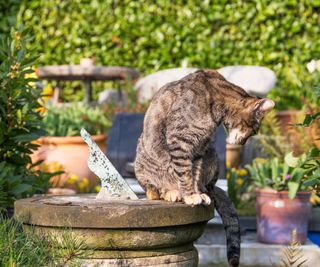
(233, 154)
(70, 152)
(314, 131)
(278, 216)
(61, 191)
(286, 117)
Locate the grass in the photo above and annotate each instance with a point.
(18, 248)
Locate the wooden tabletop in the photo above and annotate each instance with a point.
(79, 72)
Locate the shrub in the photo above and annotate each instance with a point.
(152, 35)
(20, 123)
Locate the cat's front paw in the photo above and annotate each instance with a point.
(172, 196)
(197, 199)
(206, 199)
(194, 199)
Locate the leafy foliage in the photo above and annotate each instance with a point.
(153, 35)
(8, 13)
(271, 138)
(240, 190)
(18, 248)
(20, 122)
(292, 174)
(68, 120)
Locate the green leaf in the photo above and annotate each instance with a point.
(291, 161)
(26, 137)
(313, 179)
(21, 188)
(293, 189)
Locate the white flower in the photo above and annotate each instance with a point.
(313, 65)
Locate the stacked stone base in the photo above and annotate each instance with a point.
(119, 233)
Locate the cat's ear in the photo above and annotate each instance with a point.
(264, 105)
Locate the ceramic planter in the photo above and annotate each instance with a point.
(70, 152)
(285, 118)
(233, 154)
(278, 216)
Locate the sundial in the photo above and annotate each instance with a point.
(117, 228)
(113, 186)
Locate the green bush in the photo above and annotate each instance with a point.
(20, 122)
(8, 13)
(151, 35)
(68, 120)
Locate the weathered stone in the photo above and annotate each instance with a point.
(119, 232)
(184, 259)
(113, 96)
(149, 85)
(86, 212)
(131, 238)
(256, 80)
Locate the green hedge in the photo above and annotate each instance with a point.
(152, 35)
(8, 13)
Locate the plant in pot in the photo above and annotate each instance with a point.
(63, 145)
(240, 190)
(20, 124)
(283, 191)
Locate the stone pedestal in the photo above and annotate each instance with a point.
(120, 232)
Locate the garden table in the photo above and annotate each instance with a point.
(87, 73)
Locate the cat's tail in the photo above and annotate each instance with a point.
(229, 216)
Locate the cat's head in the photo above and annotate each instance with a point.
(243, 123)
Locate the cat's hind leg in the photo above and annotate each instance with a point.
(152, 192)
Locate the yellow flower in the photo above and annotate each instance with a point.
(72, 179)
(242, 172)
(228, 176)
(57, 167)
(84, 183)
(228, 164)
(240, 181)
(45, 167)
(97, 188)
(32, 75)
(41, 110)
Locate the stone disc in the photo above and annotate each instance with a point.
(84, 211)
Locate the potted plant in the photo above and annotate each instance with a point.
(63, 149)
(283, 191)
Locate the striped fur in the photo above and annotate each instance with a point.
(174, 160)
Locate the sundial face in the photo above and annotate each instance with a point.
(113, 185)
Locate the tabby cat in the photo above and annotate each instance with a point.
(175, 161)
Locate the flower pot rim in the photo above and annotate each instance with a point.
(233, 146)
(287, 111)
(69, 139)
(282, 192)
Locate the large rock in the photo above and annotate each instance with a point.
(149, 85)
(257, 81)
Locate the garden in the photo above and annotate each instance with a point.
(95, 65)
